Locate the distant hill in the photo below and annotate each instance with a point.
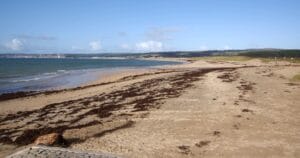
(265, 53)
(271, 53)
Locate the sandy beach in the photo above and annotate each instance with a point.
(197, 109)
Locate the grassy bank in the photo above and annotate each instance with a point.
(296, 78)
(223, 58)
(239, 58)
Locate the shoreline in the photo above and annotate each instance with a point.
(64, 77)
(103, 74)
(102, 79)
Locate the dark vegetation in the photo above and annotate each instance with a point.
(188, 54)
(264, 53)
(272, 53)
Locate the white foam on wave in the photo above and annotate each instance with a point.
(26, 80)
(45, 75)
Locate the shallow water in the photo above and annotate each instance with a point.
(43, 74)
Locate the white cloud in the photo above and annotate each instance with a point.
(227, 47)
(95, 45)
(149, 46)
(203, 48)
(15, 44)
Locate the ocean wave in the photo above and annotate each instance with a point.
(50, 73)
(45, 75)
(61, 70)
(26, 80)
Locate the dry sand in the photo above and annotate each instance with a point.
(198, 109)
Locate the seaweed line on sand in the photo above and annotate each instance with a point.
(24, 127)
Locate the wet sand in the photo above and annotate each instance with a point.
(198, 109)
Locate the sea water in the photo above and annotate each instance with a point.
(25, 74)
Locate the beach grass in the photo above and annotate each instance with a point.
(223, 58)
(296, 78)
(291, 60)
(238, 58)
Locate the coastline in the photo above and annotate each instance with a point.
(55, 74)
(104, 76)
(222, 103)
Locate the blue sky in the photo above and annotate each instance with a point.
(95, 26)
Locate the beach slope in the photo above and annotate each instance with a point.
(198, 109)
